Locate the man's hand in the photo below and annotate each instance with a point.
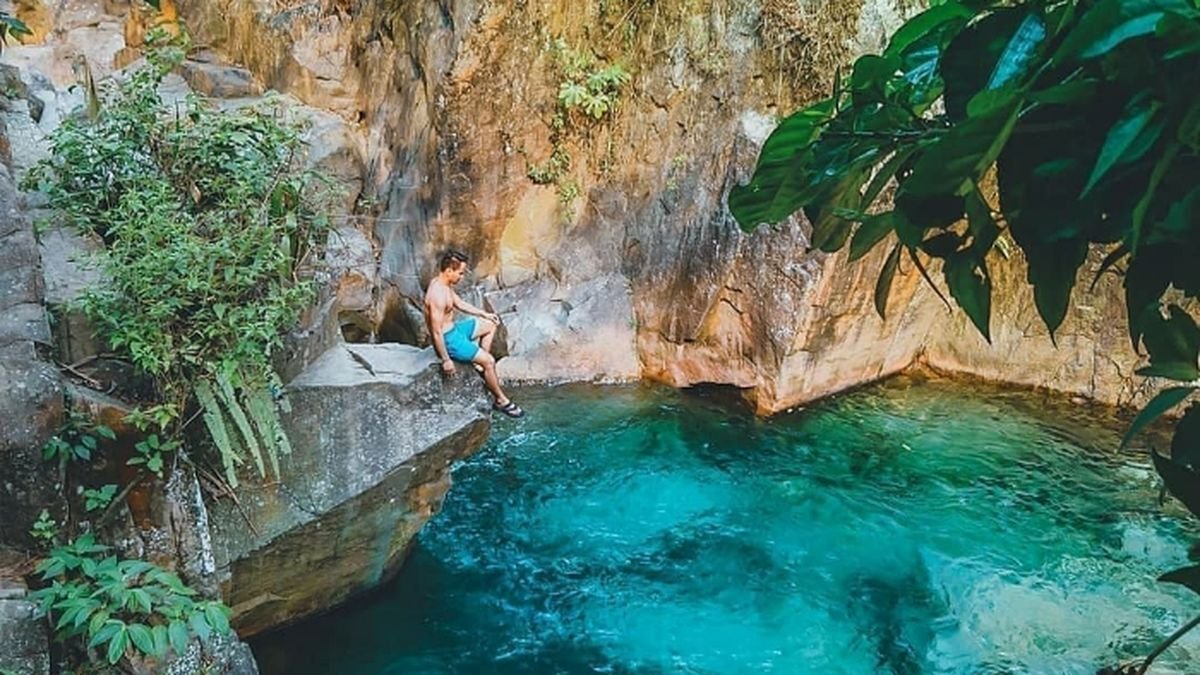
(448, 367)
(494, 318)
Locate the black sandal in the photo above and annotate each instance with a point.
(511, 409)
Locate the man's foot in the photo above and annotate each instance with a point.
(511, 409)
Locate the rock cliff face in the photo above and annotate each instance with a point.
(339, 518)
(632, 266)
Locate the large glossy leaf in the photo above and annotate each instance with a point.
(870, 77)
(1146, 279)
(1182, 482)
(1185, 444)
(117, 644)
(883, 285)
(993, 52)
(1109, 23)
(1188, 577)
(778, 187)
(951, 165)
(925, 23)
(981, 226)
(830, 227)
(1128, 140)
(1180, 34)
(1019, 52)
(1173, 343)
(1161, 403)
(971, 287)
(1052, 271)
(871, 231)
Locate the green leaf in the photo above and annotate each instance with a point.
(997, 50)
(1173, 343)
(1161, 403)
(200, 626)
(217, 618)
(160, 641)
(870, 76)
(142, 638)
(881, 178)
(105, 634)
(883, 286)
(872, 230)
(924, 23)
(981, 226)
(971, 287)
(1181, 34)
(1185, 444)
(117, 645)
(1188, 577)
(1052, 271)
(1020, 51)
(962, 154)
(1182, 482)
(830, 229)
(179, 636)
(778, 187)
(1067, 93)
(1130, 137)
(1108, 23)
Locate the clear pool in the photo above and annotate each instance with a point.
(915, 527)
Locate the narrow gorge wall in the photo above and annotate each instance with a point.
(631, 265)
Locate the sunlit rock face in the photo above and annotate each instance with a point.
(637, 269)
(374, 429)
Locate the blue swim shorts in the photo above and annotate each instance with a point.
(459, 344)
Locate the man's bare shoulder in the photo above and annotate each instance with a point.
(438, 294)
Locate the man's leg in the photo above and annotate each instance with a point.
(485, 332)
(490, 378)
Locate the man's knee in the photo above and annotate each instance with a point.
(484, 359)
(484, 327)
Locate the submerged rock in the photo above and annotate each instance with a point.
(374, 429)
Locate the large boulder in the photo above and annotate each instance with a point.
(374, 429)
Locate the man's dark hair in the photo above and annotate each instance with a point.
(451, 258)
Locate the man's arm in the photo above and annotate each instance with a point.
(467, 308)
(435, 318)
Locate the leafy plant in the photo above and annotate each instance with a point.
(11, 26)
(45, 529)
(211, 227)
(118, 607)
(95, 499)
(77, 440)
(1082, 112)
(587, 92)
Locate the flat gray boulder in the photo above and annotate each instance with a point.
(374, 430)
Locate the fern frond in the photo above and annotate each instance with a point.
(228, 398)
(266, 418)
(217, 430)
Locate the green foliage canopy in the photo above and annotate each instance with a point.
(209, 223)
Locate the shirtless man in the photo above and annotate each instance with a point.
(468, 339)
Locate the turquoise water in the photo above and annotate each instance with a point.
(917, 527)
